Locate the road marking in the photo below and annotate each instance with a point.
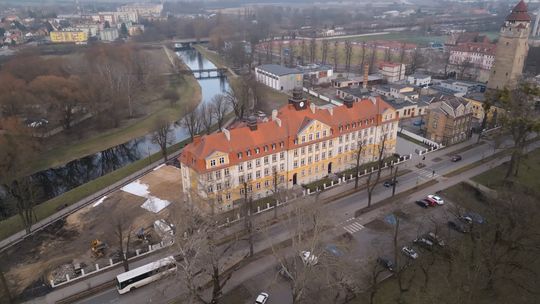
(427, 174)
(354, 227)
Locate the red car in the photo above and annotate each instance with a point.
(430, 201)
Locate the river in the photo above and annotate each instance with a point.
(56, 181)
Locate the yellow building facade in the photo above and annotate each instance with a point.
(78, 37)
(301, 143)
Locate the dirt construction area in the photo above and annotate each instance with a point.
(65, 246)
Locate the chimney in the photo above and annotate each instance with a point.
(274, 114)
(313, 107)
(348, 101)
(227, 134)
(366, 75)
(278, 121)
(331, 110)
(196, 139)
(373, 99)
(252, 123)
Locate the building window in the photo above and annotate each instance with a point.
(265, 148)
(210, 189)
(241, 167)
(273, 146)
(249, 177)
(266, 171)
(226, 172)
(266, 183)
(249, 165)
(258, 162)
(227, 184)
(213, 163)
(295, 164)
(218, 174)
(282, 178)
(303, 139)
(324, 133)
(258, 174)
(239, 155)
(248, 153)
(241, 179)
(218, 186)
(318, 135)
(257, 150)
(310, 136)
(302, 162)
(282, 155)
(324, 155)
(242, 190)
(228, 196)
(310, 149)
(266, 160)
(282, 166)
(209, 176)
(274, 157)
(222, 160)
(258, 185)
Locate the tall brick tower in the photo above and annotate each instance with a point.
(512, 49)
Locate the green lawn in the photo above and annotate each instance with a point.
(190, 93)
(528, 176)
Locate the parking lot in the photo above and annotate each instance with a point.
(365, 243)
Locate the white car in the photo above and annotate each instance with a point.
(437, 199)
(308, 258)
(408, 251)
(262, 298)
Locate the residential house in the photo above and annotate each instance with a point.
(449, 120)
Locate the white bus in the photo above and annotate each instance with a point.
(146, 274)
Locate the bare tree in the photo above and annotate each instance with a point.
(359, 147)
(402, 51)
(207, 117)
(200, 258)
(371, 183)
(363, 57)
(324, 55)
(336, 55)
(302, 52)
(373, 58)
(521, 119)
(219, 108)
(238, 99)
(122, 230)
(307, 225)
(348, 55)
(312, 50)
(191, 121)
(163, 135)
(417, 61)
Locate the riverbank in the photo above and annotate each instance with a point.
(270, 99)
(190, 94)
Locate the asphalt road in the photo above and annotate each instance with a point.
(338, 211)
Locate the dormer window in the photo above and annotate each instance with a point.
(213, 163)
(281, 144)
(257, 150)
(239, 155)
(222, 160)
(265, 148)
(273, 146)
(248, 153)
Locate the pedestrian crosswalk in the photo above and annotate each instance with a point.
(427, 174)
(353, 227)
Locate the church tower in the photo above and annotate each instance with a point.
(512, 49)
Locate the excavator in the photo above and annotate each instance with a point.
(98, 248)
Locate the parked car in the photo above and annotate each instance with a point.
(262, 298)
(466, 219)
(389, 183)
(436, 198)
(308, 258)
(457, 227)
(456, 158)
(408, 251)
(435, 239)
(475, 217)
(423, 242)
(430, 202)
(422, 203)
(386, 263)
(333, 250)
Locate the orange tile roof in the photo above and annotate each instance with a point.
(267, 133)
